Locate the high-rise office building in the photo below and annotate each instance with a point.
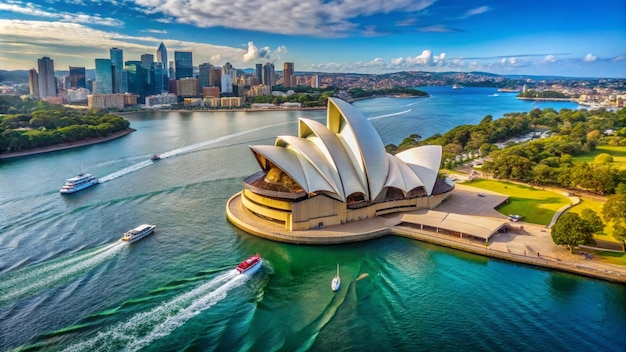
(104, 76)
(33, 82)
(269, 75)
(228, 77)
(117, 60)
(147, 65)
(289, 80)
(162, 59)
(171, 72)
(134, 73)
(259, 73)
(162, 56)
(77, 77)
(184, 64)
(204, 75)
(45, 80)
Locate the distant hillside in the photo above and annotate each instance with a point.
(19, 76)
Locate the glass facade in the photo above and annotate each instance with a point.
(184, 64)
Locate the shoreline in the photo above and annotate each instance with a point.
(573, 100)
(64, 146)
(520, 247)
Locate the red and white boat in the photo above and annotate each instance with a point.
(250, 265)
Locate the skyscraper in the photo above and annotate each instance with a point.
(259, 73)
(204, 75)
(45, 80)
(228, 77)
(162, 59)
(135, 78)
(104, 77)
(117, 60)
(162, 56)
(147, 65)
(184, 64)
(33, 82)
(77, 77)
(288, 77)
(269, 75)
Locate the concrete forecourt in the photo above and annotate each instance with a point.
(336, 184)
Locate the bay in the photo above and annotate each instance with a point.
(66, 283)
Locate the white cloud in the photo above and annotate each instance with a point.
(476, 11)
(265, 53)
(157, 31)
(37, 11)
(549, 59)
(24, 48)
(590, 58)
(325, 18)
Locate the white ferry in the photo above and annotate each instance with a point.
(138, 233)
(75, 184)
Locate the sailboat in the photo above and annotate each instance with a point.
(336, 283)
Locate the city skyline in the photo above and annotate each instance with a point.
(529, 38)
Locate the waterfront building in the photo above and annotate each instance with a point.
(164, 99)
(160, 78)
(337, 173)
(231, 102)
(187, 87)
(289, 80)
(209, 92)
(162, 56)
(228, 77)
(135, 78)
(106, 101)
(213, 102)
(77, 77)
(149, 81)
(258, 90)
(183, 62)
(33, 82)
(74, 95)
(117, 60)
(45, 78)
(104, 77)
(269, 75)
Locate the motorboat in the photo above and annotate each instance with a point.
(250, 265)
(155, 157)
(457, 86)
(336, 283)
(138, 233)
(78, 182)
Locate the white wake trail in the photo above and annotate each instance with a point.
(183, 150)
(389, 115)
(32, 280)
(144, 328)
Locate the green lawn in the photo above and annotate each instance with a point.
(537, 206)
(617, 152)
(597, 207)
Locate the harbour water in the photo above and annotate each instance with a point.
(67, 283)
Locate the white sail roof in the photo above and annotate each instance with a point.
(348, 157)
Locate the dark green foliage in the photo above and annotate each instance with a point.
(364, 93)
(40, 124)
(571, 230)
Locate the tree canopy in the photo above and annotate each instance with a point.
(571, 230)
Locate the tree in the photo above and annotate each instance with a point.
(571, 230)
(603, 158)
(614, 210)
(593, 219)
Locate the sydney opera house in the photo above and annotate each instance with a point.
(336, 174)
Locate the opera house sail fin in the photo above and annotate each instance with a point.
(336, 173)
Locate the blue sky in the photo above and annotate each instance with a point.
(566, 38)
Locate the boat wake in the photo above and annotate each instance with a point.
(389, 115)
(31, 280)
(144, 328)
(184, 150)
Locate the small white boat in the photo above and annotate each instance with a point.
(138, 233)
(77, 183)
(336, 283)
(250, 265)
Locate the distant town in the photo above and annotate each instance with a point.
(156, 83)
